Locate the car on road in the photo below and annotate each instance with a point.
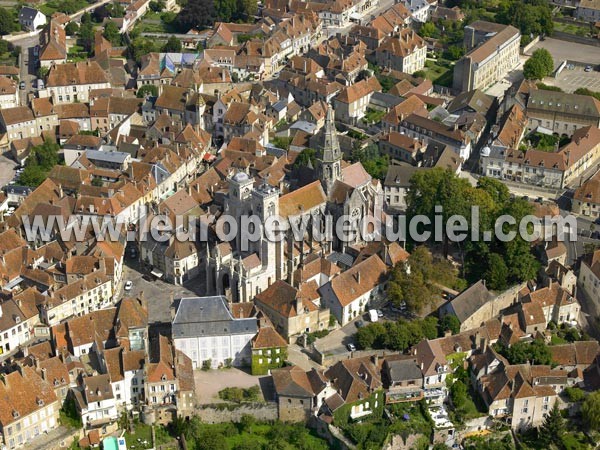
(128, 285)
(588, 68)
(379, 313)
(351, 347)
(22, 85)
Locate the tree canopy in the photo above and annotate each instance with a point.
(112, 33)
(173, 45)
(456, 196)
(540, 65)
(535, 352)
(398, 335)
(416, 282)
(590, 411)
(203, 13)
(40, 161)
(374, 163)
(7, 21)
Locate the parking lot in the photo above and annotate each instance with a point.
(569, 80)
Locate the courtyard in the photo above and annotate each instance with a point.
(210, 382)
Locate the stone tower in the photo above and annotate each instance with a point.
(329, 167)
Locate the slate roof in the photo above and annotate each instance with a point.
(470, 300)
(208, 316)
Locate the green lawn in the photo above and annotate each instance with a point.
(66, 6)
(572, 29)
(439, 71)
(373, 116)
(141, 432)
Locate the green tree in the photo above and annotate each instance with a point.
(306, 156)
(197, 13)
(7, 21)
(71, 28)
(449, 322)
(86, 36)
(374, 163)
(428, 29)
(496, 274)
(540, 65)
(590, 411)
(149, 89)
(173, 45)
(112, 33)
(248, 8)
(553, 428)
(40, 161)
(536, 352)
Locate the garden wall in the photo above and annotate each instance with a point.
(233, 413)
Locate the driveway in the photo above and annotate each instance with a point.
(210, 382)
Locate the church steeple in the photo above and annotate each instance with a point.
(330, 156)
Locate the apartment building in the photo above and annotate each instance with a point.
(205, 330)
(586, 199)
(560, 112)
(490, 61)
(28, 408)
(18, 123)
(72, 82)
(540, 168)
(404, 52)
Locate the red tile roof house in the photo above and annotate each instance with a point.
(348, 294)
(73, 82)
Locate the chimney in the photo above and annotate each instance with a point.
(375, 360)
(44, 374)
(0, 310)
(36, 363)
(299, 307)
(357, 276)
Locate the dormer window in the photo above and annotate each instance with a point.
(164, 377)
(15, 414)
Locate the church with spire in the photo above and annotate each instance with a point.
(338, 188)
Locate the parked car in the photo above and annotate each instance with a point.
(22, 85)
(128, 285)
(588, 68)
(379, 313)
(359, 324)
(351, 347)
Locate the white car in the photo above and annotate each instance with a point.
(351, 347)
(128, 285)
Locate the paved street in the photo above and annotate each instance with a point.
(159, 293)
(27, 64)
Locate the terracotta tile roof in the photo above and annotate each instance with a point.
(292, 382)
(73, 74)
(359, 90)
(589, 192)
(22, 393)
(163, 367)
(18, 114)
(267, 337)
(358, 280)
(576, 353)
(403, 45)
(301, 200)
(283, 298)
(354, 379)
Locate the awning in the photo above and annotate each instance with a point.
(156, 273)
